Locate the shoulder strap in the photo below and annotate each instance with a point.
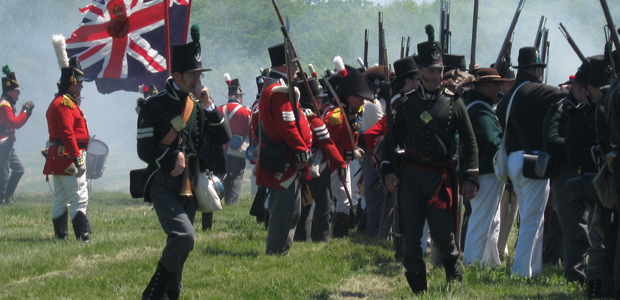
(232, 113)
(187, 112)
(515, 126)
(479, 102)
(427, 116)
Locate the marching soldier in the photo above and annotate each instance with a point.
(238, 117)
(353, 90)
(530, 106)
(282, 124)
(426, 122)
(11, 169)
(66, 155)
(172, 128)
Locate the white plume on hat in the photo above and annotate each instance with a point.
(227, 78)
(58, 40)
(340, 66)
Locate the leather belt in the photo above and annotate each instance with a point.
(58, 142)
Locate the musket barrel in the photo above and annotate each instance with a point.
(474, 37)
(511, 29)
(612, 27)
(572, 43)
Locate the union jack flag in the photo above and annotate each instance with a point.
(121, 44)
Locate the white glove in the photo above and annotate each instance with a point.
(358, 154)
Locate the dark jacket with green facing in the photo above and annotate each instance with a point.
(486, 129)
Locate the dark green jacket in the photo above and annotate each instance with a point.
(486, 129)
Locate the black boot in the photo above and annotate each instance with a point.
(156, 290)
(172, 295)
(61, 225)
(341, 225)
(207, 221)
(453, 270)
(81, 227)
(417, 281)
(595, 289)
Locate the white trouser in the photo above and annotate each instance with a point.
(69, 191)
(483, 226)
(532, 195)
(342, 201)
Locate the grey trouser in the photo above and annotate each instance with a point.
(284, 210)
(374, 194)
(572, 215)
(414, 193)
(596, 252)
(235, 168)
(11, 171)
(315, 219)
(176, 216)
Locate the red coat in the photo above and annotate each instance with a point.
(278, 119)
(320, 135)
(254, 125)
(334, 120)
(68, 134)
(9, 122)
(240, 121)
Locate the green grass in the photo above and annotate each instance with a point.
(227, 262)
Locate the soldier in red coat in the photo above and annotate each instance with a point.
(66, 154)
(11, 169)
(283, 126)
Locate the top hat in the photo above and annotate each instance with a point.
(234, 88)
(583, 73)
(487, 75)
(429, 52)
(601, 73)
(73, 73)
(454, 61)
(9, 82)
(187, 57)
(355, 84)
(405, 67)
(529, 57)
(278, 55)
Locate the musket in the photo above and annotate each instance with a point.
(381, 62)
(366, 48)
(545, 53)
(299, 65)
(540, 31)
(442, 23)
(409, 45)
(402, 47)
(511, 29)
(612, 29)
(448, 33)
(474, 37)
(572, 43)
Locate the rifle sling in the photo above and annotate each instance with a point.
(187, 112)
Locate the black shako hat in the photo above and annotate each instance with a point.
(583, 73)
(530, 57)
(317, 92)
(429, 52)
(601, 74)
(9, 81)
(234, 88)
(73, 73)
(454, 61)
(278, 55)
(355, 84)
(187, 57)
(505, 70)
(404, 67)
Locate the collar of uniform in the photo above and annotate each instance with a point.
(273, 74)
(523, 77)
(173, 89)
(9, 99)
(572, 100)
(428, 96)
(234, 100)
(473, 95)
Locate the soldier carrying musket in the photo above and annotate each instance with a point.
(426, 123)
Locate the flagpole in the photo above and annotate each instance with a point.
(189, 12)
(167, 34)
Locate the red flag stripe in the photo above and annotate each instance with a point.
(133, 3)
(145, 17)
(146, 56)
(90, 52)
(114, 69)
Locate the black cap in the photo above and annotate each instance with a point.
(454, 61)
(9, 81)
(187, 57)
(355, 84)
(234, 88)
(405, 67)
(505, 70)
(429, 52)
(278, 56)
(583, 73)
(317, 91)
(530, 57)
(601, 74)
(73, 73)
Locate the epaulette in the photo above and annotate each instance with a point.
(284, 89)
(66, 101)
(5, 103)
(335, 118)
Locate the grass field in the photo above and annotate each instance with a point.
(227, 262)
